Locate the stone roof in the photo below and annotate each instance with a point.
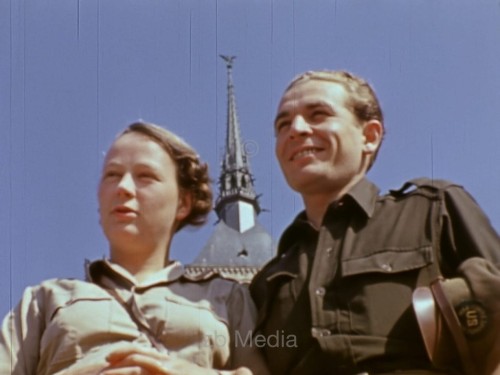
(228, 247)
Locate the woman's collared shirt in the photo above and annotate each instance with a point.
(63, 322)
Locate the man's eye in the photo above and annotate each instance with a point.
(282, 124)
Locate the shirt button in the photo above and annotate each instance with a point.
(386, 267)
(320, 291)
(320, 332)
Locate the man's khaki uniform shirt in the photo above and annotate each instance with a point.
(63, 322)
(340, 298)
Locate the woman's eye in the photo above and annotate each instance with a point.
(111, 174)
(318, 114)
(147, 176)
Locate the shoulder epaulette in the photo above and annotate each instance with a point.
(422, 183)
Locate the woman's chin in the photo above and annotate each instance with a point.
(123, 235)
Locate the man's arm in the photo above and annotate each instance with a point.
(242, 318)
(467, 231)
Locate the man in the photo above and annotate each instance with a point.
(339, 292)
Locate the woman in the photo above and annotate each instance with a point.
(137, 312)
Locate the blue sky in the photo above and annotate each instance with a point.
(73, 73)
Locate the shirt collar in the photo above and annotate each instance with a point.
(98, 268)
(364, 194)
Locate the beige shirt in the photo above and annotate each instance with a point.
(65, 323)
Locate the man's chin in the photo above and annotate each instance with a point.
(305, 181)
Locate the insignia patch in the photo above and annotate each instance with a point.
(473, 318)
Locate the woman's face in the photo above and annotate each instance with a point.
(139, 198)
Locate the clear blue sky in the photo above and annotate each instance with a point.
(73, 73)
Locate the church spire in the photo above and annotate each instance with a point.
(237, 203)
(239, 244)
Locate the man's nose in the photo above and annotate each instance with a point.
(126, 186)
(299, 126)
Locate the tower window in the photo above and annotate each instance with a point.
(243, 253)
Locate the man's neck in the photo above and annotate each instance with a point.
(316, 207)
(317, 204)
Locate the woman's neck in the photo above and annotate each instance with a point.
(140, 263)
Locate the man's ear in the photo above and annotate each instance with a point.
(184, 205)
(373, 131)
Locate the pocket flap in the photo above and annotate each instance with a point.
(389, 261)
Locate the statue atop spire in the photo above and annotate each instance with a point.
(229, 60)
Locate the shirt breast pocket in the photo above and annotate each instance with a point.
(376, 289)
(78, 320)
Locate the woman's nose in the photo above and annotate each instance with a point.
(126, 185)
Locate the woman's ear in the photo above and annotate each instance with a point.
(373, 132)
(184, 205)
